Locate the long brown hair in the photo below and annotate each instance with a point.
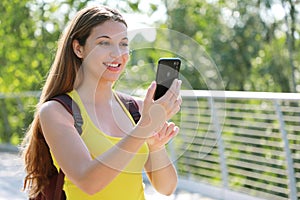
(61, 79)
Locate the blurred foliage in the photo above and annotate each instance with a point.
(245, 43)
(242, 45)
(253, 49)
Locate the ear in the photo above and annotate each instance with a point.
(77, 49)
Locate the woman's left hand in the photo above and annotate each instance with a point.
(161, 138)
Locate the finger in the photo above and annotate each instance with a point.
(176, 91)
(171, 96)
(171, 90)
(174, 87)
(175, 107)
(174, 111)
(177, 87)
(178, 102)
(170, 128)
(150, 92)
(163, 131)
(175, 131)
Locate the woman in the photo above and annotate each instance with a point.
(107, 159)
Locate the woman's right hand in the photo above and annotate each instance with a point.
(155, 113)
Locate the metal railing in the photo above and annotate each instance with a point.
(232, 145)
(239, 145)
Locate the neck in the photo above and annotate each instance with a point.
(100, 92)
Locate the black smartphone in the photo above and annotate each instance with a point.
(167, 71)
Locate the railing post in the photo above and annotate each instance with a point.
(172, 152)
(7, 129)
(289, 160)
(221, 148)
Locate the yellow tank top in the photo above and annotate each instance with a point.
(129, 183)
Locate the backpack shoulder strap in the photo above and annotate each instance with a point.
(131, 105)
(58, 193)
(72, 107)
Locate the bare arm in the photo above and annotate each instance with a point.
(161, 172)
(72, 154)
(160, 169)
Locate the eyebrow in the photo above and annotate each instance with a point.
(105, 36)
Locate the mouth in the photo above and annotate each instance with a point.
(112, 66)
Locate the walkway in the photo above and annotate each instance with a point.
(11, 179)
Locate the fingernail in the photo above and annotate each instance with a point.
(152, 84)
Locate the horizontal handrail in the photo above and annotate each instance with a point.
(20, 94)
(232, 144)
(193, 93)
(240, 94)
(253, 155)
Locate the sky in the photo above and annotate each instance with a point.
(139, 20)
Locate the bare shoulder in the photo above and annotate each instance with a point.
(52, 109)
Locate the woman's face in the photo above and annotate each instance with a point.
(106, 52)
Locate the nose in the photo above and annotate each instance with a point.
(115, 51)
(119, 50)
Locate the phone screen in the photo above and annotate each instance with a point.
(167, 71)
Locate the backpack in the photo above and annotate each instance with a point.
(54, 191)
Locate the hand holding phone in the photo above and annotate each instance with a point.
(167, 72)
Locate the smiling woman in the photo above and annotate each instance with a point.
(112, 150)
(105, 51)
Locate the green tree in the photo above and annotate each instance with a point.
(28, 31)
(250, 49)
(18, 68)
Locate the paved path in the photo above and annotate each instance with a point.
(11, 177)
(12, 174)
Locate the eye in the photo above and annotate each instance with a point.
(124, 44)
(104, 43)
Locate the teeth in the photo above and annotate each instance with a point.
(112, 65)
